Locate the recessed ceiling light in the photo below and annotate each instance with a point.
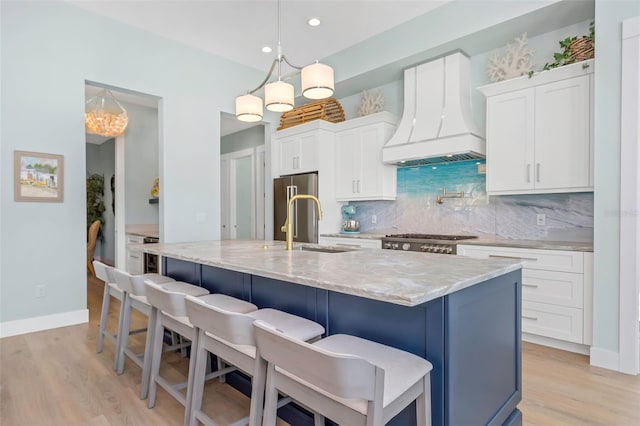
(314, 22)
(266, 49)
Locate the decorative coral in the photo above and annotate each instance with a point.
(514, 61)
(371, 102)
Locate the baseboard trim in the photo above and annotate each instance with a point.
(605, 358)
(46, 322)
(555, 343)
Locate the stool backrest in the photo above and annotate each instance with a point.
(123, 280)
(233, 327)
(101, 271)
(344, 375)
(169, 302)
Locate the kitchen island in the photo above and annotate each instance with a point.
(461, 314)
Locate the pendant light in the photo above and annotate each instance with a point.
(104, 115)
(316, 81)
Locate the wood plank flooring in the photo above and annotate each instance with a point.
(55, 377)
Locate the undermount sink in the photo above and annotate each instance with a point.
(321, 249)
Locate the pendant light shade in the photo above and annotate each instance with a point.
(249, 108)
(104, 115)
(317, 81)
(278, 96)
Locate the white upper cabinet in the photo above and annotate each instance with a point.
(359, 171)
(539, 137)
(299, 153)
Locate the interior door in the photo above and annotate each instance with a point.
(243, 198)
(225, 199)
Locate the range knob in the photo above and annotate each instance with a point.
(449, 250)
(406, 246)
(387, 245)
(395, 246)
(440, 249)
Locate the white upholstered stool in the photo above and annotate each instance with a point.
(352, 381)
(113, 289)
(230, 337)
(170, 312)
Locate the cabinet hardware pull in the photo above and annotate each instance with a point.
(537, 172)
(358, 185)
(531, 318)
(528, 173)
(530, 285)
(353, 186)
(533, 259)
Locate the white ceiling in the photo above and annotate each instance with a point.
(237, 30)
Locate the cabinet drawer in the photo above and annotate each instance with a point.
(557, 288)
(350, 242)
(549, 260)
(558, 322)
(134, 239)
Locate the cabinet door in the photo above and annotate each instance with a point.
(562, 148)
(307, 160)
(510, 121)
(289, 155)
(371, 168)
(347, 153)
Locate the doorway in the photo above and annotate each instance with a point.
(242, 179)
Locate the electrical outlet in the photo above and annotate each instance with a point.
(41, 291)
(541, 219)
(374, 219)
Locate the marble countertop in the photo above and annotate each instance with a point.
(143, 230)
(361, 236)
(490, 241)
(530, 244)
(405, 278)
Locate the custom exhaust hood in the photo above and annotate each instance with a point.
(436, 125)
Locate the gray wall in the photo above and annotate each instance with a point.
(101, 160)
(141, 159)
(244, 139)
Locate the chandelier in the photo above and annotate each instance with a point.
(316, 81)
(104, 115)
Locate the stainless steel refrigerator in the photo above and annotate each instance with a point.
(305, 229)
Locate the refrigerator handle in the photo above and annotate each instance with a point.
(295, 212)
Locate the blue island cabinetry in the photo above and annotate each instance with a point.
(471, 336)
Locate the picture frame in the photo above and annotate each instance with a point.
(38, 177)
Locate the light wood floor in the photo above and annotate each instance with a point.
(55, 377)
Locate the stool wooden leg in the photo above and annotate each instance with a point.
(123, 302)
(104, 315)
(257, 390)
(124, 340)
(156, 357)
(148, 349)
(221, 366)
(423, 403)
(199, 372)
(271, 399)
(190, 377)
(318, 419)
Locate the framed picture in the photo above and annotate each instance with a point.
(38, 177)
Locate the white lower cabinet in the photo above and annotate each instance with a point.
(350, 242)
(135, 258)
(556, 291)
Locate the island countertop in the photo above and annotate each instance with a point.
(403, 278)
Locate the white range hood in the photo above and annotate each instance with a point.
(436, 125)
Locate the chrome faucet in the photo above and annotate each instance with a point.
(288, 224)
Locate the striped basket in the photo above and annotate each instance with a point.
(581, 50)
(325, 109)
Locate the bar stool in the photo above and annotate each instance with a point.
(353, 381)
(170, 312)
(111, 289)
(230, 336)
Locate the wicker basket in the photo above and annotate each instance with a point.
(325, 109)
(581, 50)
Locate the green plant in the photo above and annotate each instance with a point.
(564, 57)
(95, 200)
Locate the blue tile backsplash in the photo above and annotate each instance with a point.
(569, 216)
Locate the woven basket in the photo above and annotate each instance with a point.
(325, 109)
(581, 50)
